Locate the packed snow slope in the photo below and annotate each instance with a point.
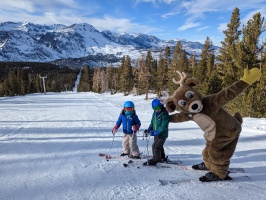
(50, 145)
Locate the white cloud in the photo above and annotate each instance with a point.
(249, 15)
(188, 26)
(154, 1)
(222, 27)
(198, 9)
(119, 25)
(17, 5)
(203, 28)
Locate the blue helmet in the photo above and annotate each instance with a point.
(155, 103)
(128, 104)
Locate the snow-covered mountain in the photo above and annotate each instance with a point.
(78, 44)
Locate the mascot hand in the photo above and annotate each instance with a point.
(250, 76)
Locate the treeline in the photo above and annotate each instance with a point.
(241, 48)
(21, 78)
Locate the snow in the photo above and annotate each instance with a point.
(50, 147)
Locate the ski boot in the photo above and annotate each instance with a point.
(213, 177)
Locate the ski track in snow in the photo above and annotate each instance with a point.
(49, 147)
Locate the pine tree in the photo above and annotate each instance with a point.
(24, 82)
(207, 51)
(104, 80)
(96, 87)
(161, 75)
(86, 82)
(228, 51)
(141, 78)
(192, 64)
(145, 74)
(249, 48)
(176, 64)
(38, 83)
(128, 75)
(214, 84)
(249, 51)
(126, 82)
(11, 84)
(162, 71)
(206, 62)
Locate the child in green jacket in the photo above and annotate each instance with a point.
(159, 129)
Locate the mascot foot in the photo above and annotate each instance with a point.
(200, 166)
(213, 177)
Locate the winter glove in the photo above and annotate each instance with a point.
(135, 128)
(149, 129)
(250, 76)
(152, 133)
(156, 133)
(115, 129)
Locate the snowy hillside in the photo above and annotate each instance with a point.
(41, 43)
(50, 147)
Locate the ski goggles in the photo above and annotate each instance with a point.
(128, 108)
(157, 108)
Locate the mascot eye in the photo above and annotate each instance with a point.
(189, 94)
(182, 103)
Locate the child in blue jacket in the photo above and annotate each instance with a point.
(131, 125)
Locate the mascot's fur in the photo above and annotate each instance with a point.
(221, 130)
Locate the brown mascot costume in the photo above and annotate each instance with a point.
(221, 130)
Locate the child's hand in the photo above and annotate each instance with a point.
(156, 133)
(115, 129)
(152, 133)
(135, 128)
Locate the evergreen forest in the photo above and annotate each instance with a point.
(21, 78)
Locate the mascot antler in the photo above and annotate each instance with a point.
(183, 76)
(164, 100)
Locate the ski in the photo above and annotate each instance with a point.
(132, 163)
(179, 164)
(108, 156)
(180, 181)
(172, 164)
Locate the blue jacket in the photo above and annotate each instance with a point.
(127, 123)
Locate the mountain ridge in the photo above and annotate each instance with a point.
(79, 44)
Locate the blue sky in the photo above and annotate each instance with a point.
(192, 20)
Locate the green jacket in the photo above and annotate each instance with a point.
(160, 123)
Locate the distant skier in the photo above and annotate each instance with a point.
(159, 129)
(131, 125)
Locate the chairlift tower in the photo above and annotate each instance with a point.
(43, 82)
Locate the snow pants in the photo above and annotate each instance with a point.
(157, 149)
(129, 143)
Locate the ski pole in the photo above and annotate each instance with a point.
(147, 138)
(111, 146)
(147, 145)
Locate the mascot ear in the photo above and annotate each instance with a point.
(170, 106)
(191, 82)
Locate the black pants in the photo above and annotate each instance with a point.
(157, 149)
